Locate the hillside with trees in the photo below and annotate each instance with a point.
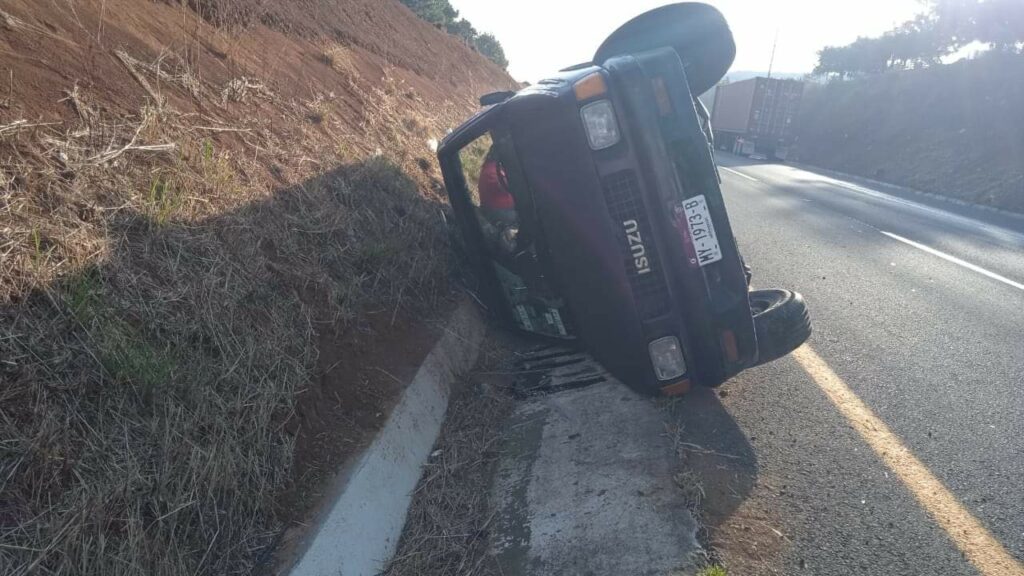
(441, 14)
(947, 27)
(893, 108)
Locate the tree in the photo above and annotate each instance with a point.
(1000, 23)
(864, 56)
(462, 29)
(953, 20)
(830, 63)
(919, 42)
(923, 41)
(440, 13)
(489, 46)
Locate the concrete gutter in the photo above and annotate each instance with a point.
(586, 485)
(360, 532)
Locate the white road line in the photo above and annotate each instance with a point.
(955, 260)
(993, 230)
(740, 174)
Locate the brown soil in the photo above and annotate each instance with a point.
(214, 232)
(727, 496)
(746, 539)
(48, 47)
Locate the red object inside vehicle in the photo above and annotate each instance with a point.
(494, 193)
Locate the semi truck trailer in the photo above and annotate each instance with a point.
(757, 116)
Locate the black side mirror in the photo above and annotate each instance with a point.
(495, 98)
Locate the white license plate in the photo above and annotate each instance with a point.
(702, 230)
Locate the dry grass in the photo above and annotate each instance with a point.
(230, 13)
(151, 357)
(447, 531)
(341, 60)
(689, 482)
(158, 306)
(244, 90)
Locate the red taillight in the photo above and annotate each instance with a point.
(677, 389)
(661, 96)
(729, 347)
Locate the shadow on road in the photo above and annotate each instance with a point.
(718, 454)
(735, 160)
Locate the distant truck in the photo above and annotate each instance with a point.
(757, 116)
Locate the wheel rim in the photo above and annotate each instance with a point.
(759, 306)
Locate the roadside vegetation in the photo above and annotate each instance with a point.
(192, 212)
(448, 529)
(948, 26)
(440, 13)
(895, 109)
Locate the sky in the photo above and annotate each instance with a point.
(542, 36)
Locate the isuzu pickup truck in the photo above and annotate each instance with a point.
(591, 209)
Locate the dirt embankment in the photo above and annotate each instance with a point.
(209, 213)
(956, 130)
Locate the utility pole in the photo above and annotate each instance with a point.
(775, 44)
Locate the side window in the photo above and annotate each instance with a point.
(497, 190)
(487, 183)
(473, 158)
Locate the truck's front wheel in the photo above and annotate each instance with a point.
(781, 321)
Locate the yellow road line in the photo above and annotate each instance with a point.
(970, 536)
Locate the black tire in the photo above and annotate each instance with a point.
(781, 321)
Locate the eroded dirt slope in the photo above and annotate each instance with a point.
(210, 214)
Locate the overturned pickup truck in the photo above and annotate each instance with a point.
(591, 210)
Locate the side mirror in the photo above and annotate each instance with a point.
(495, 98)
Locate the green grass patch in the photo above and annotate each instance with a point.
(129, 359)
(81, 294)
(208, 150)
(121, 349)
(163, 200)
(472, 158)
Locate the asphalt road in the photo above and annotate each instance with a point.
(920, 311)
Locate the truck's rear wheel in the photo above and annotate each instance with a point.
(781, 321)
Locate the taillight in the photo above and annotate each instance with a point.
(729, 347)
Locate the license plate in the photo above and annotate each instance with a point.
(702, 231)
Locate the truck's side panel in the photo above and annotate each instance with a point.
(733, 106)
(758, 114)
(776, 103)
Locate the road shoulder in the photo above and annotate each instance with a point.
(537, 473)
